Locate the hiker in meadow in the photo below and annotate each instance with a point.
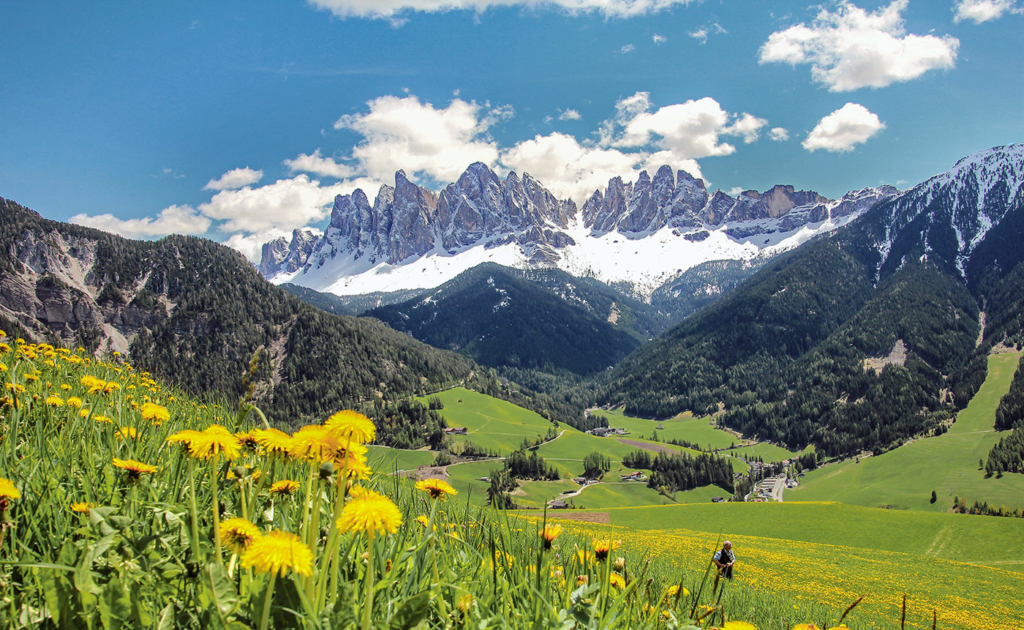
(724, 559)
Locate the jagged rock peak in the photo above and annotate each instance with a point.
(283, 256)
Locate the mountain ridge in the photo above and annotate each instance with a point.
(643, 233)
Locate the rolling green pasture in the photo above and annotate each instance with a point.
(682, 427)
(388, 460)
(466, 479)
(492, 423)
(948, 464)
(767, 452)
(615, 494)
(985, 540)
(833, 574)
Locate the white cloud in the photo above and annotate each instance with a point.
(171, 220)
(687, 130)
(234, 179)
(568, 168)
(569, 114)
(283, 205)
(251, 245)
(838, 132)
(403, 133)
(747, 127)
(735, 191)
(701, 35)
(850, 48)
(319, 165)
(778, 134)
(659, 39)
(390, 8)
(979, 11)
(628, 48)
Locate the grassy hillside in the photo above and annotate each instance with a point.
(615, 494)
(682, 427)
(492, 423)
(960, 537)
(947, 464)
(962, 595)
(767, 452)
(391, 459)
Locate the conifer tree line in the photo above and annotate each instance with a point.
(677, 472)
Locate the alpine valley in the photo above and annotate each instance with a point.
(638, 359)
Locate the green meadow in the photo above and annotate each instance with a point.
(976, 539)
(767, 452)
(947, 464)
(698, 431)
(617, 494)
(492, 423)
(388, 460)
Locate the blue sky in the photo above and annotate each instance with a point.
(128, 116)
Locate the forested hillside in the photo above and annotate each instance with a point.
(195, 312)
(861, 339)
(546, 321)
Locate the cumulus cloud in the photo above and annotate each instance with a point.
(850, 48)
(389, 9)
(979, 11)
(283, 205)
(844, 128)
(659, 39)
(234, 179)
(319, 165)
(778, 134)
(403, 133)
(702, 33)
(171, 220)
(682, 131)
(569, 114)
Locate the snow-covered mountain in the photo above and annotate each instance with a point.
(643, 233)
(948, 217)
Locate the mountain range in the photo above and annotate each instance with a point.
(643, 233)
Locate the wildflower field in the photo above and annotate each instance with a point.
(127, 504)
(961, 595)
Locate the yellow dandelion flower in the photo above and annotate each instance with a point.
(674, 590)
(285, 486)
(738, 625)
(17, 388)
(127, 432)
(103, 419)
(549, 533)
(54, 401)
(133, 468)
(237, 534)
(185, 438)
(465, 603)
(370, 513)
(617, 581)
(65, 387)
(4, 348)
(352, 462)
(3, 367)
(155, 413)
(583, 556)
(8, 491)
(423, 520)
(111, 387)
(82, 507)
(312, 442)
(603, 546)
(436, 488)
(273, 441)
(75, 401)
(31, 378)
(277, 552)
(351, 427)
(582, 580)
(214, 441)
(247, 439)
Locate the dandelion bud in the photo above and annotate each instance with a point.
(620, 564)
(326, 471)
(240, 472)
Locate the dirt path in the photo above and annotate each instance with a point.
(602, 518)
(654, 448)
(574, 493)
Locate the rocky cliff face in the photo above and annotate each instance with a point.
(408, 223)
(286, 256)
